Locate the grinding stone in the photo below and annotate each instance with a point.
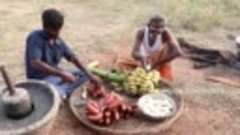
(46, 102)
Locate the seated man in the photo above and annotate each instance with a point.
(44, 51)
(155, 47)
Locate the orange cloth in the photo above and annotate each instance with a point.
(166, 72)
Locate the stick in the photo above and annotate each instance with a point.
(7, 81)
(223, 80)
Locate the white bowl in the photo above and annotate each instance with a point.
(166, 106)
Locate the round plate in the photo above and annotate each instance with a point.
(131, 126)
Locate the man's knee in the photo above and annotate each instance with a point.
(53, 79)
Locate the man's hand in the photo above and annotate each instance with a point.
(68, 77)
(146, 63)
(94, 79)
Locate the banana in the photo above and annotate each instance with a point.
(141, 82)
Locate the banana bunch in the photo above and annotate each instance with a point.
(141, 82)
(154, 76)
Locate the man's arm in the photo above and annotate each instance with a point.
(92, 77)
(173, 50)
(71, 57)
(136, 48)
(45, 68)
(135, 52)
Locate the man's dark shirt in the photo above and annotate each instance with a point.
(40, 46)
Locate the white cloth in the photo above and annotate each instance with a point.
(145, 49)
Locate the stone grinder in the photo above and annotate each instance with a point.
(16, 101)
(27, 107)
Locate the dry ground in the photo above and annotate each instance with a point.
(101, 29)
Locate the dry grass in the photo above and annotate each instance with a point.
(103, 26)
(103, 23)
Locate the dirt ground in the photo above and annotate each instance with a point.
(102, 30)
